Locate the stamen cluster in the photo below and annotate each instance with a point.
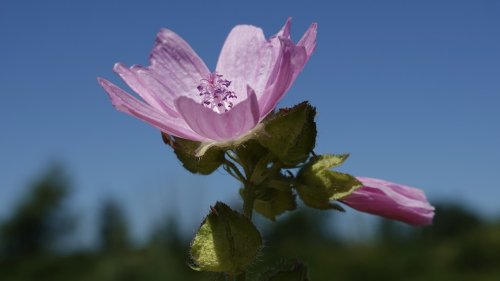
(215, 92)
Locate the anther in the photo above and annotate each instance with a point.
(215, 93)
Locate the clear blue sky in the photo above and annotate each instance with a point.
(410, 88)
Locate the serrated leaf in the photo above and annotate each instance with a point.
(291, 134)
(316, 197)
(287, 271)
(226, 241)
(327, 161)
(185, 150)
(339, 184)
(274, 198)
(317, 185)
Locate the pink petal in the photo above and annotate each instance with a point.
(308, 44)
(288, 71)
(292, 62)
(409, 192)
(147, 87)
(285, 30)
(248, 59)
(390, 200)
(220, 126)
(124, 102)
(284, 33)
(176, 70)
(308, 40)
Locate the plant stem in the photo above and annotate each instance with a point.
(248, 200)
(234, 171)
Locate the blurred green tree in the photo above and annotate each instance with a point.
(39, 221)
(113, 229)
(167, 236)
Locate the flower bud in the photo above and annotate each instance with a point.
(392, 201)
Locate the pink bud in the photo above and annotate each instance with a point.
(392, 201)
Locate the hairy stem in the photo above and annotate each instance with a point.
(248, 200)
(233, 170)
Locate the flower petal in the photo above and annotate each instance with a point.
(124, 102)
(175, 71)
(247, 58)
(390, 200)
(220, 126)
(175, 65)
(288, 71)
(147, 87)
(292, 62)
(308, 40)
(285, 30)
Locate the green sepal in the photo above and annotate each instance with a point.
(185, 150)
(287, 271)
(317, 185)
(290, 134)
(250, 153)
(226, 242)
(274, 197)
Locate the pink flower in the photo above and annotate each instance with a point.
(181, 97)
(391, 200)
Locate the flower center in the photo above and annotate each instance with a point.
(215, 93)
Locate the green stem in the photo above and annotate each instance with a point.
(252, 173)
(248, 200)
(237, 173)
(231, 154)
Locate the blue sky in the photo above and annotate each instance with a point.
(410, 88)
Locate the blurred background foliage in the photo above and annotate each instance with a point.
(460, 245)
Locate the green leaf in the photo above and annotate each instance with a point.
(327, 161)
(291, 134)
(274, 198)
(287, 271)
(226, 241)
(186, 153)
(318, 185)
